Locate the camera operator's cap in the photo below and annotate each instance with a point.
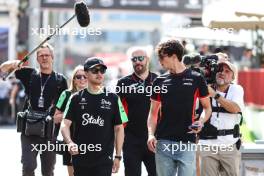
(93, 62)
(230, 65)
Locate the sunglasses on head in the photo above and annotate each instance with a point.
(138, 58)
(79, 77)
(96, 70)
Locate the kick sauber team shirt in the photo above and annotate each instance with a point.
(178, 104)
(94, 116)
(135, 96)
(62, 102)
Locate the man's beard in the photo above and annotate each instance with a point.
(221, 82)
(140, 69)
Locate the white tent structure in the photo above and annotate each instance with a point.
(234, 14)
(238, 15)
(205, 33)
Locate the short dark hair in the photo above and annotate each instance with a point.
(169, 48)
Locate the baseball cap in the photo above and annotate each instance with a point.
(92, 62)
(230, 66)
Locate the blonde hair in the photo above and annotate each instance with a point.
(73, 87)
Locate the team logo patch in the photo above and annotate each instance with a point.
(105, 104)
(83, 103)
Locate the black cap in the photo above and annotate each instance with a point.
(92, 62)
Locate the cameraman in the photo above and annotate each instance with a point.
(221, 132)
(42, 88)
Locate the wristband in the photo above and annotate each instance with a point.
(118, 157)
(217, 96)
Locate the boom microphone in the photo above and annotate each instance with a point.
(82, 14)
(83, 18)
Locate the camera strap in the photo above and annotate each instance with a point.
(219, 109)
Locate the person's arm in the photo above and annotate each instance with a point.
(13, 94)
(120, 117)
(205, 102)
(60, 107)
(207, 109)
(228, 105)
(119, 140)
(152, 124)
(9, 66)
(66, 133)
(58, 115)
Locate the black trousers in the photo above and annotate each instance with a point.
(29, 156)
(100, 170)
(135, 151)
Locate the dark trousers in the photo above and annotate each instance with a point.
(29, 156)
(135, 152)
(101, 170)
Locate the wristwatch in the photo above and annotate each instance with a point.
(217, 96)
(118, 157)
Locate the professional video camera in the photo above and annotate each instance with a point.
(209, 63)
(206, 65)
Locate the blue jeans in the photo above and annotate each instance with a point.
(170, 161)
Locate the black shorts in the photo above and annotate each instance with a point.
(101, 170)
(67, 158)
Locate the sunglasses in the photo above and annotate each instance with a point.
(102, 70)
(138, 58)
(79, 77)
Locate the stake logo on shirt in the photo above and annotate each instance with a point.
(90, 119)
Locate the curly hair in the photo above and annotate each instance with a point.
(169, 48)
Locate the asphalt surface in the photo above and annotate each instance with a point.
(10, 156)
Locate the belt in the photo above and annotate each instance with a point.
(225, 132)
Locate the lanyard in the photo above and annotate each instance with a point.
(42, 87)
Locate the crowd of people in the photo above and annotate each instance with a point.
(152, 120)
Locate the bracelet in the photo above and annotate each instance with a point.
(118, 157)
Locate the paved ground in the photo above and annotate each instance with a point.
(10, 155)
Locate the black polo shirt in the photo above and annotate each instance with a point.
(94, 117)
(178, 104)
(135, 96)
(30, 79)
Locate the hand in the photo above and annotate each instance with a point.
(199, 125)
(8, 66)
(58, 118)
(152, 142)
(116, 165)
(73, 148)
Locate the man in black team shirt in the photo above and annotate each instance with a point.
(43, 89)
(137, 103)
(171, 136)
(98, 116)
